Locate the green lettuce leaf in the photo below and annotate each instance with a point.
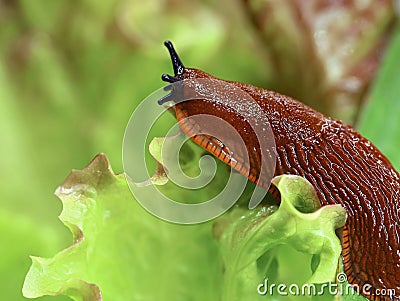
(251, 242)
(120, 251)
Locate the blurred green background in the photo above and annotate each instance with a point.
(72, 72)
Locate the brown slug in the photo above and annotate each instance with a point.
(344, 168)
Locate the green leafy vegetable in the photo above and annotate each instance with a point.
(249, 235)
(121, 250)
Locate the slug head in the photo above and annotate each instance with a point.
(223, 119)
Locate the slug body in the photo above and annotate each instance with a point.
(344, 168)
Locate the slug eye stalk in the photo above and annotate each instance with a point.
(176, 61)
(179, 70)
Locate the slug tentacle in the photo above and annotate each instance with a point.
(169, 78)
(179, 68)
(166, 98)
